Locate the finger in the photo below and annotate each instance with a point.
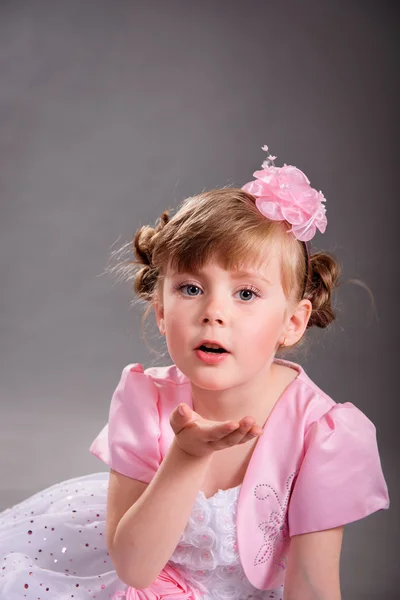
(221, 430)
(234, 434)
(250, 436)
(248, 431)
(245, 426)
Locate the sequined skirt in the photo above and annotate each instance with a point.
(52, 545)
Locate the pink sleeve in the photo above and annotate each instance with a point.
(340, 479)
(129, 443)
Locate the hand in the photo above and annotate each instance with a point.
(200, 437)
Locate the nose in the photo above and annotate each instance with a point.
(213, 320)
(213, 310)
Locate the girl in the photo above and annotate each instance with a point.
(232, 474)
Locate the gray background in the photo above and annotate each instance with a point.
(111, 112)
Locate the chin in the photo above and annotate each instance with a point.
(207, 377)
(210, 379)
(209, 386)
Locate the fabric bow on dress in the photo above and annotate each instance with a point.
(169, 585)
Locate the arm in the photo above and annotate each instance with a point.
(313, 566)
(142, 537)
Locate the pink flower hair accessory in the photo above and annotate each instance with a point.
(284, 194)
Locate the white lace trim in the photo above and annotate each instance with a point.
(207, 553)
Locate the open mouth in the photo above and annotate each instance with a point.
(212, 349)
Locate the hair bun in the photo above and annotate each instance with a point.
(325, 273)
(143, 244)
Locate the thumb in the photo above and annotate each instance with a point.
(183, 410)
(178, 420)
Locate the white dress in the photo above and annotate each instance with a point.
(52, 547)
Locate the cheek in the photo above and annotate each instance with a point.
(263, 337)
(264, 330)
(176, 323)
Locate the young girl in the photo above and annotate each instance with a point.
(232, 474)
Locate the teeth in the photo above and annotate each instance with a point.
(212, 346)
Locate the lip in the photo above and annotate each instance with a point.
(216, 342)
(211, 359)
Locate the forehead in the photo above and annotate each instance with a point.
(265, 267)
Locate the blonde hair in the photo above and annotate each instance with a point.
(225, 224)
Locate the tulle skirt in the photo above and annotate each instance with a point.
(52, 545)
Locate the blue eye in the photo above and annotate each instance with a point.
(249, 290)
(191, 290)
(189, 286)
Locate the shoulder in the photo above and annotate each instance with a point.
(166, 376)
(154, 391)
(315, 405)
(160, 376)
(138, 432)
(153, 382)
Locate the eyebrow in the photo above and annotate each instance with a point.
(239, 274)
(235, 275)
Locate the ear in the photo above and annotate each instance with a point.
(296, 322)
(159, 312)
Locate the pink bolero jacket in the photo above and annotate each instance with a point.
(316, 467)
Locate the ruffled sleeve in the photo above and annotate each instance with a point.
(129, 443)
(340, 479)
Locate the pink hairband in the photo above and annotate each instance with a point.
(284, 194)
